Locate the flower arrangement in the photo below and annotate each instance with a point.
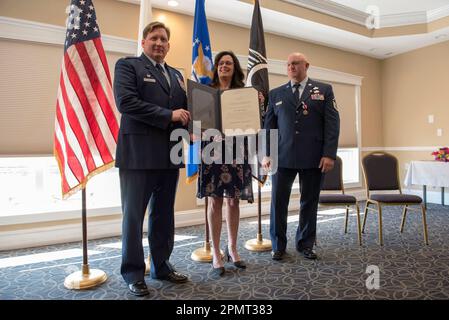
(441, 154)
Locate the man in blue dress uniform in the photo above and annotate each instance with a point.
(305, 114)
(151, 97)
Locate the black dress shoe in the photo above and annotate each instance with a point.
(309, 253)
(175, 277)
(277, 255)
(138, 288)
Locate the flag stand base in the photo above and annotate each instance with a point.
(204, 254)
(148, 265)
(85, 279)
(258, 244)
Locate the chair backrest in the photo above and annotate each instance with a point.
(381, 171)
(333, 179)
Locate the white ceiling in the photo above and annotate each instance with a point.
(239, 13)
(394, 6)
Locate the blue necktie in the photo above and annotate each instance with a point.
(297, 86)
(161, 70)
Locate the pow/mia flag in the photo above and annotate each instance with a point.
(258, 72)
(257, 60)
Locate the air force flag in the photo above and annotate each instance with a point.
(202, 67)
(202, 64)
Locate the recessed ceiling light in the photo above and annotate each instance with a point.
(440, 36)
(173, 3)
(372, 49)
(389, 53)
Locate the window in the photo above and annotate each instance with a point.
(31, 185)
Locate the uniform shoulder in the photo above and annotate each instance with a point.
(278, 89)
(130, 60)
(320, 84)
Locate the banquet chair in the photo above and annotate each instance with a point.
(380, 170)
(333, 181)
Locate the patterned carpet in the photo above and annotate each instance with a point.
(408, 269)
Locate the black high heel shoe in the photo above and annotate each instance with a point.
(217, 271)
(239, 264)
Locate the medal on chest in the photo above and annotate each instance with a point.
(305, 108)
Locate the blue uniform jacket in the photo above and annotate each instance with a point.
(304, 138)
(146, 102)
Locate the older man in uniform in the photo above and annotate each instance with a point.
(305, 114)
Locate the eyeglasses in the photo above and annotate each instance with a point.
(228, 63)
(295, 63)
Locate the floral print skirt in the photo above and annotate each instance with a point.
(232, 180)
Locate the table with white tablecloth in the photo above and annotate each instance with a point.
(428, 173)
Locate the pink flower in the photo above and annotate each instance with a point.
(442, 154)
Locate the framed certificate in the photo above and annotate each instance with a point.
(231, 111)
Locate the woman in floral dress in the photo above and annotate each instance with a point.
(225, 182)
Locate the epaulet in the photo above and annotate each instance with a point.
(131, 58)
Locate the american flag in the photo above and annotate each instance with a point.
(86, 126)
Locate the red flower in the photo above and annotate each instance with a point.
(442, 154)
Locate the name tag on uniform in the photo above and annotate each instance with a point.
(149, 80)
(278, 103)
(317, 97)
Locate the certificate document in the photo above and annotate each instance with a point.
(240, 110)
(228, 111)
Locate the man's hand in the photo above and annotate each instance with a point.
(326, 164)
(266, 164)
(180, 115)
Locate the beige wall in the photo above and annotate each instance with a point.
(414, 85)
(114, 17)
(121, 19)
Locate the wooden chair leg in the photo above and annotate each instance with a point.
(346, 219)
(381, 241)
(404, 214)
(365, 214)
(359, 232)
(424, 224)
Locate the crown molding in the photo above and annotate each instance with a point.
(402, 19)
(438, 13)
(24, 30)
(359, 17)
(333, 9)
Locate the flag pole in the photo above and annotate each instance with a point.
(86, 278)
(257, 77)
(259, 244)
(145, 16)
(148, 263)
(204, 254)
(202, 72)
